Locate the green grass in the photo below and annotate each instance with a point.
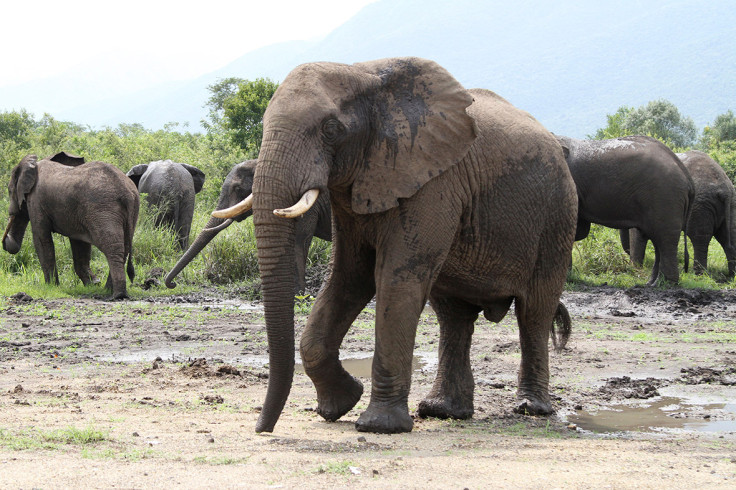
(230, 261)
(600, 260)
(34, 439)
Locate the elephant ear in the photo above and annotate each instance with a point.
(137, 172)
(422, 129)
(27, 177)
(197, 176)
(67, 159)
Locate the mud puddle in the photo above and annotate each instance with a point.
(677, 409)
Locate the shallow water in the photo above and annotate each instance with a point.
(660, 414)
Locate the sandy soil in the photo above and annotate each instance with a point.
(166, 393)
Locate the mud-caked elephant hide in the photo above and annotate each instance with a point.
(92, 203)
(438, 193)
(237, 188)
(170, 189)
(633, 182)
(713, 214)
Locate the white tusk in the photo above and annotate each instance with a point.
(298, 209)
(236, 210)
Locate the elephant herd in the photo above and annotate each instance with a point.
(429, 192)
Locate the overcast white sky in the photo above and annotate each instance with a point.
(43, 36)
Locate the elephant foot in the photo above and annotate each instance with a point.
(120, 296)
(445, 408)
(339, 398)
(385, 419)
(534, 406)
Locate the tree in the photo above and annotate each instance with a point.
(243, 112)
(615, 127)
(724, 127)
(659, 118)
(16, 137)
(220, 91)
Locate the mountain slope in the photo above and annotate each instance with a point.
(568, 63)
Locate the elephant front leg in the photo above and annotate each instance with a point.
(81, 256)
(397, 315)
(452, 393)
(44, 243)
(348, 289)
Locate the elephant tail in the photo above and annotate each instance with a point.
(561, 328)
(130, 269)
(688, 213)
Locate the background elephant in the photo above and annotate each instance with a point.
(91, 203)
(171, 188)
(437, 193)
(237, 186)
(713, 214)
(632, 182)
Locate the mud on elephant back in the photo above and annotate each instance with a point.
(438, 193)
(92, 203)
(237, 188)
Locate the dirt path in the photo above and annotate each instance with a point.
(85, 403)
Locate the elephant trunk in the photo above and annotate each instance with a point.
(14, 233)
(210, 231)
(276, 258)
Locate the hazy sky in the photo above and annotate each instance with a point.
(184, 38)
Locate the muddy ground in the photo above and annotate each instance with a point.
(156, 394)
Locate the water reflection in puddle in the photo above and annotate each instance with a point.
(661, 414)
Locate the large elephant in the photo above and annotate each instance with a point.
(171, 188)
(238, 186)
(92, 203)
(437, 193)
(713, 214)
(633, 182)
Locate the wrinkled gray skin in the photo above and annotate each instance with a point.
(713, 214)
(438, 193)
(171, 188)
(633, 182)
(237, 186)
(91, 203)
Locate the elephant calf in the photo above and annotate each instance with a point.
(632, 182)
(171, 188)
(713, 214)
(91, 203)
(238, 186)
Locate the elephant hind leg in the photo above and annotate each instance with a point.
(81, 256)
(452, 393)
(535, 315)
(665, 260)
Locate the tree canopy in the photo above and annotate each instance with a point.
(237, 106)
(659, 118)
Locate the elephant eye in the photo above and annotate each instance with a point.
(332, 129)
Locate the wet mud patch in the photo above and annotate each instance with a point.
(625, 387)
(704, 375)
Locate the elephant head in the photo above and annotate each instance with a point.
(372, 133)
(237, 187)
(22, 181)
